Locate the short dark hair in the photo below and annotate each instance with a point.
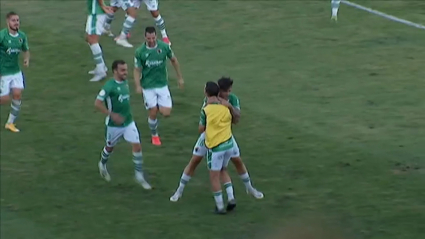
(211, 88)
(116, 63)
(150, 30)
(225, 83)
(10, 14)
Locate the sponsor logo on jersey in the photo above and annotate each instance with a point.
(153, 63)
(11, 51)
(102, 93)
(159, 51)
(121, 98)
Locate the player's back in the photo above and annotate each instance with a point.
(218, 124)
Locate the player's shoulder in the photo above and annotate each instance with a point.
(109, 83)
(163, 45)
(22, 33)
(3, 32)
(141, 48)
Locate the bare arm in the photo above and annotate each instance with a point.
(176, 66)
(26, 58)
(137, 75)
(236, 114)
(201, 129)
(101, 107)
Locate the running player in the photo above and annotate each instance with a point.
(12, 42)
(335, 6)
(94, 28)
(216, 122)
(114, 101)
(200, 150)
(151, 78)
(151, 5)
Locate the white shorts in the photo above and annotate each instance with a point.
(15, 81)
(157, 97)
(130, 133)
(95, 24)
(218, 158)
(200, 150)
(151, 5)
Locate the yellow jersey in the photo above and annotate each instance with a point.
(217, 120)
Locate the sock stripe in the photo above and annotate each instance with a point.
(218, 193)
(227, 185)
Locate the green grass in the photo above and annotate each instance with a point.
(332, 131)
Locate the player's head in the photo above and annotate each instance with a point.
(225, 84)
(211, 89)
(12, 20)
(119, 68)
(150, 36)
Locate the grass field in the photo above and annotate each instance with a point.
(332, 131)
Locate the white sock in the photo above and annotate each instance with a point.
(160, 23)
(218, 197)
(183, 181)
(128, 24)
(98, 56)
(246, 180)
(335, 6)
(15, 107)
(229, 190)
(334, 11)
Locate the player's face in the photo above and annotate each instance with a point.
(13, 22)
(122, 72)
(150, 39)
(225, 94)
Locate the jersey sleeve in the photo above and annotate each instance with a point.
(170, 53)
(104, 92)
(203, 118)
(234, 101)
(137, 60)
(25, 46)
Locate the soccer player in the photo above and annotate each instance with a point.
(151, 78)
(335, 6)
(216, 122)
(114, 101)
(94, 28)
(12, 42)
(200, 150)
(151, 5)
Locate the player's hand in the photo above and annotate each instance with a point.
(180, 83)
(26, 62)
(224, 102)
(117, 118)
(108, 10)
(139, 89)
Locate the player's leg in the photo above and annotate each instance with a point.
(243, 172)
(151, 103)
(112, 137)
(215, 165)
(4, 89)
(131, 135)
(17, 85)
(227, 182)
(335, 7)
(198, 153)
(128, 6)
(115, 4)
(165, 101)
(152, 6)
(94, 28)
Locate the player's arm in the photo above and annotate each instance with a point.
(202, 122)
(26, 51)
(105, 8)
(176, 65)
(137, 73)
(99, 102)
(236, 113)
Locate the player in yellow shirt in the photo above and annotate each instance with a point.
(216, 121)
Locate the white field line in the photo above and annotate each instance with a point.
(384, 15)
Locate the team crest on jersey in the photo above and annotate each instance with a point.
(159, 51)
(20, 40)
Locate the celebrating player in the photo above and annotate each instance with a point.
(151, 5)
(115, 94)
(12, 42)
(335, 6)
(151, 78)
(216, 122)
(200, 150)
(94, 28)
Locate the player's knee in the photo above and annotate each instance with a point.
(17, 95)
(132, 12)
(166, 112)
(4, 99)
(92, 39)
(137, 148)
(155, 13)
(109, 149)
